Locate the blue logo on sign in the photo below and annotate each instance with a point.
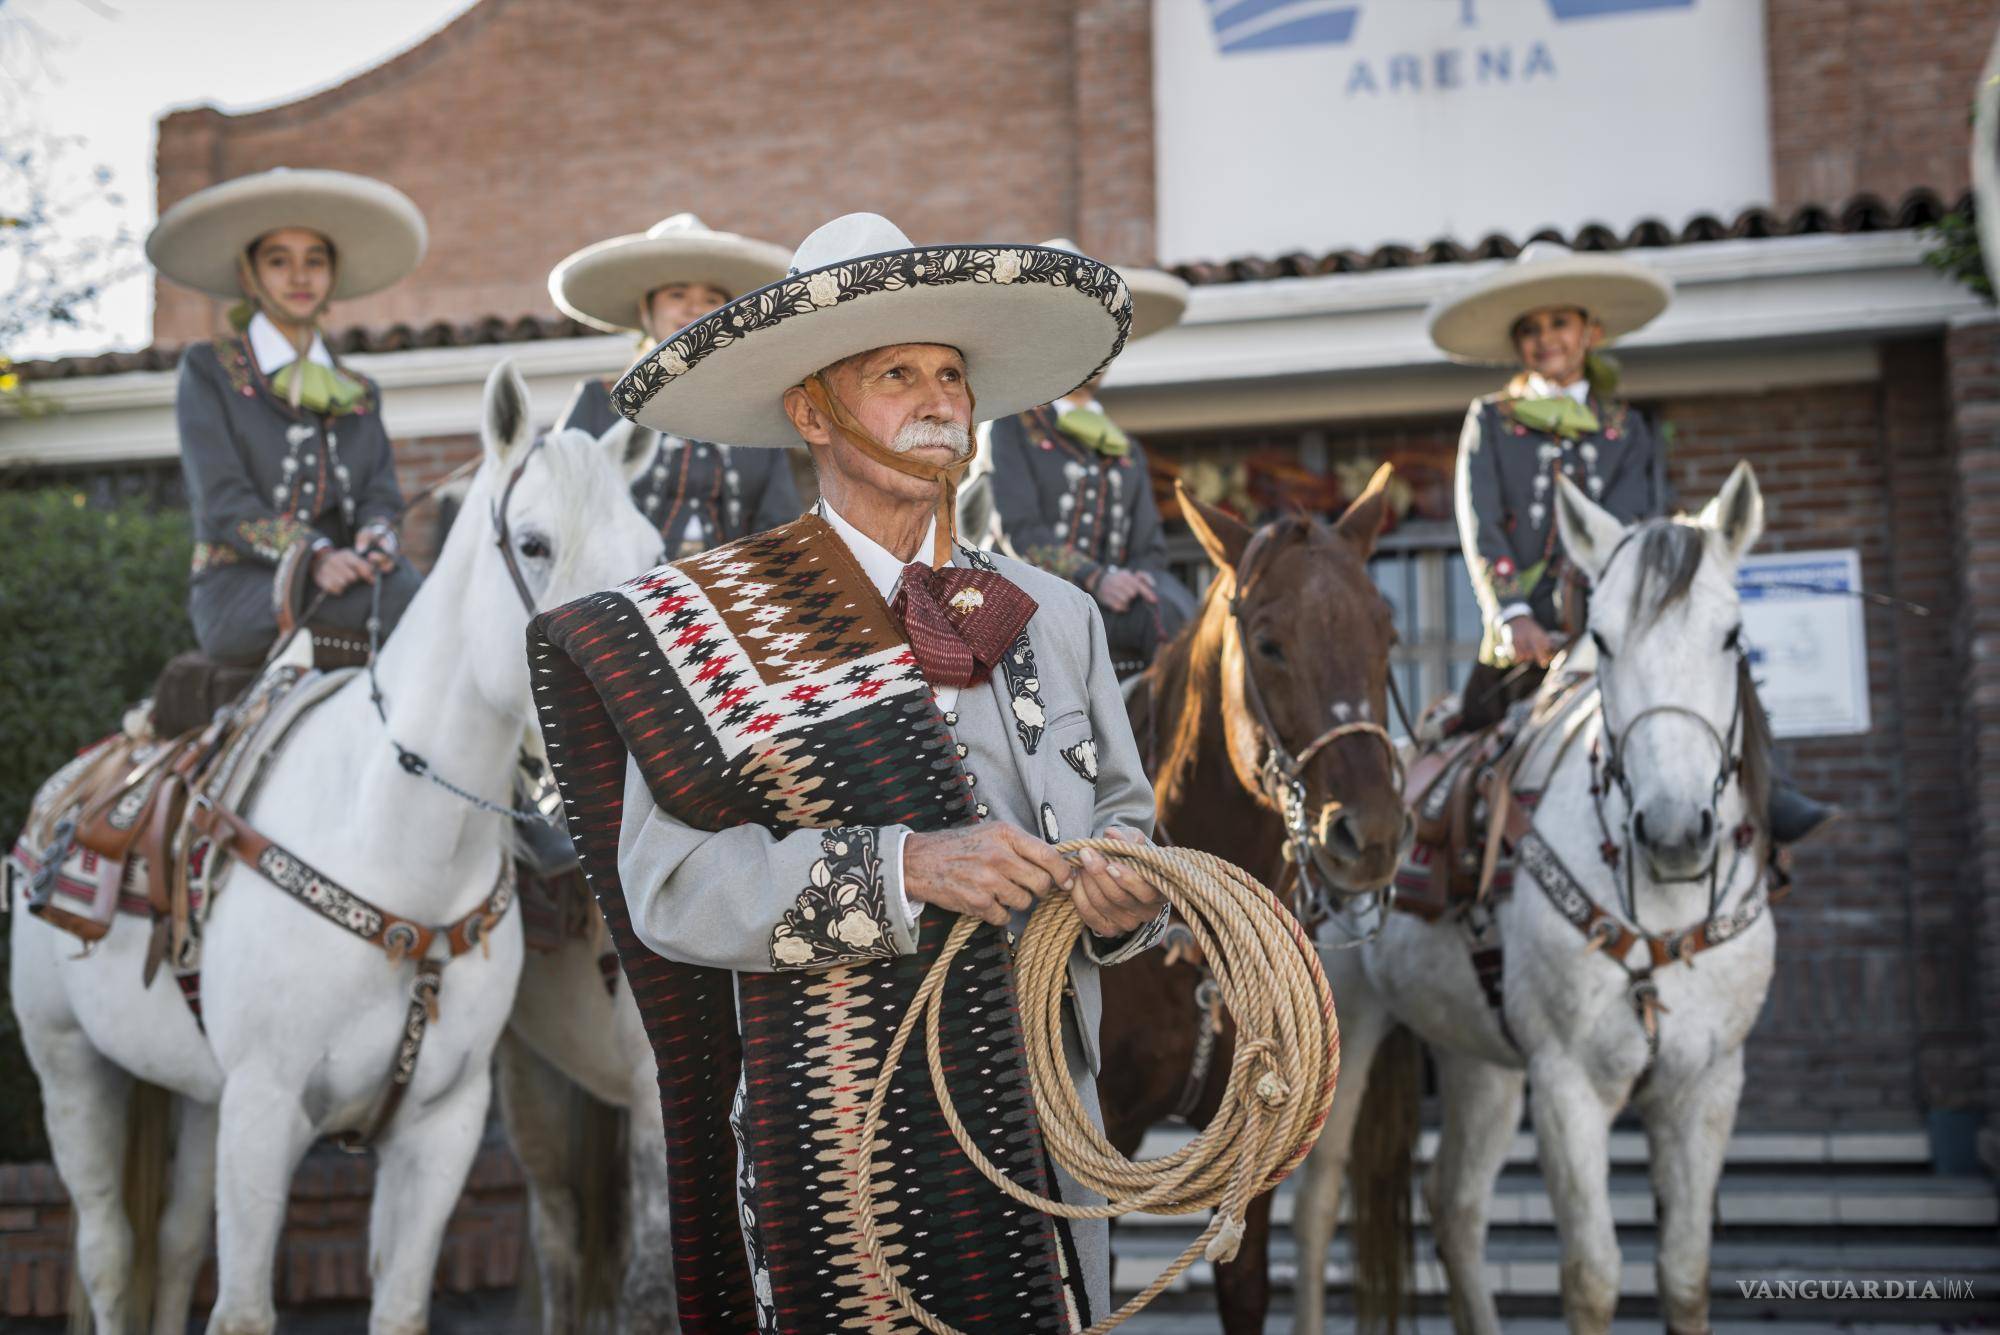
(1275, 25)
(1268, 25)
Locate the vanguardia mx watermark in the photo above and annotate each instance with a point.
(1953, 1290)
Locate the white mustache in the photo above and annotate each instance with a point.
(924, 432)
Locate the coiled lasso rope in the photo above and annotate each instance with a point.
(1280, 1081)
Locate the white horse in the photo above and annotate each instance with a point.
(304, 1017)
(1676, 751)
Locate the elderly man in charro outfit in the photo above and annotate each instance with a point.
(1074, 495)
(791, 762)
(699, 493)
(1548, 314)
(289, 470)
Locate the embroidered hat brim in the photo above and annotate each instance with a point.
(1032, 322)
(603, 285)
(377, 231)
(1476, 324)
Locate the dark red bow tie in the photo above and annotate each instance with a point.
(959, 622)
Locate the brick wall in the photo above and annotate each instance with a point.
(322, 1254)
(525, 130)
(1973, 370)
(1872, 95)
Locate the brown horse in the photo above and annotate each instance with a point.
(1292, 643)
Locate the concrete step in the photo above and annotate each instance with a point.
(1529, 1267)
(1746, 1199)
(1900, 1147)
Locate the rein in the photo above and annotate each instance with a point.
(412, 762)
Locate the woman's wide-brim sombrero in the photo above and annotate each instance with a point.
(1476, 324)
(1032, 323)
(1159, 299)
(605, 285)
(377, 232)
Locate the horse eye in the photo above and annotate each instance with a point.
(1602, 648)
(1270, 649)
(534, 548)
(1734, 639)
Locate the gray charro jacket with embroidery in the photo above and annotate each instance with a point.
(717, 898)
(1505, 497)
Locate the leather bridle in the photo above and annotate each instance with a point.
(1281, 774)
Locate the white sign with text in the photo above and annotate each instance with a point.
(1307, 125)
(1807, 641)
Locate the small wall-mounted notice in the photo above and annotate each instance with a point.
(1808, 643)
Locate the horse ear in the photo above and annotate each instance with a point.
(505, 429)
(1737, 512)
(627, 442)
(1361, 523)
(1221, 535)
(1589, 533)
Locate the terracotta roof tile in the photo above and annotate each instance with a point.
(1863, 213)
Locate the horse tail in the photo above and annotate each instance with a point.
(1378, 1171)
(601, 1183)
(149, 1119)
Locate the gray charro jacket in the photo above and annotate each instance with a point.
(1505, 498)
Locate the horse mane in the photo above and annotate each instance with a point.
(1670, 554)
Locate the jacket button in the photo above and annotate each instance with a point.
(951, 718)
(960, 748)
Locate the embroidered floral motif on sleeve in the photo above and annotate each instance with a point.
(1065, 562)
(269, 538)
(209, 555)
(843, 915)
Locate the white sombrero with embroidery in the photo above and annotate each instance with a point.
(1476, 323)
(1033, 323)
(605, 285)
(377, 233)
(1159, 299)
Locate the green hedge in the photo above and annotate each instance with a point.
(92, 603)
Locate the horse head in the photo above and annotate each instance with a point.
(545, 520)
(1680, 719)
(1304, 681)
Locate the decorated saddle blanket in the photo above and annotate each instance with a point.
(765, 682)
(100, 826)
(1473, 796)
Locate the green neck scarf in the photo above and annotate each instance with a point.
(1089, 427)
(1557, 416)
(325, 390)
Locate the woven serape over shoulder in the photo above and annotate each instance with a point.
(766, 683)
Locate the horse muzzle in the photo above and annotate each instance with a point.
(1678, 838)
(1358, 850)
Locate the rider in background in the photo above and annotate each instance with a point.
(1074, 496)
(289, 471)
(1548, 314)
(698, 493)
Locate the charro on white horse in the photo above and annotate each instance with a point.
(302, 1015)
(1647, 849)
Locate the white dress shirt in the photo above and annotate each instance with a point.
(1540, 388)
(885, 572)
(274, 352)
